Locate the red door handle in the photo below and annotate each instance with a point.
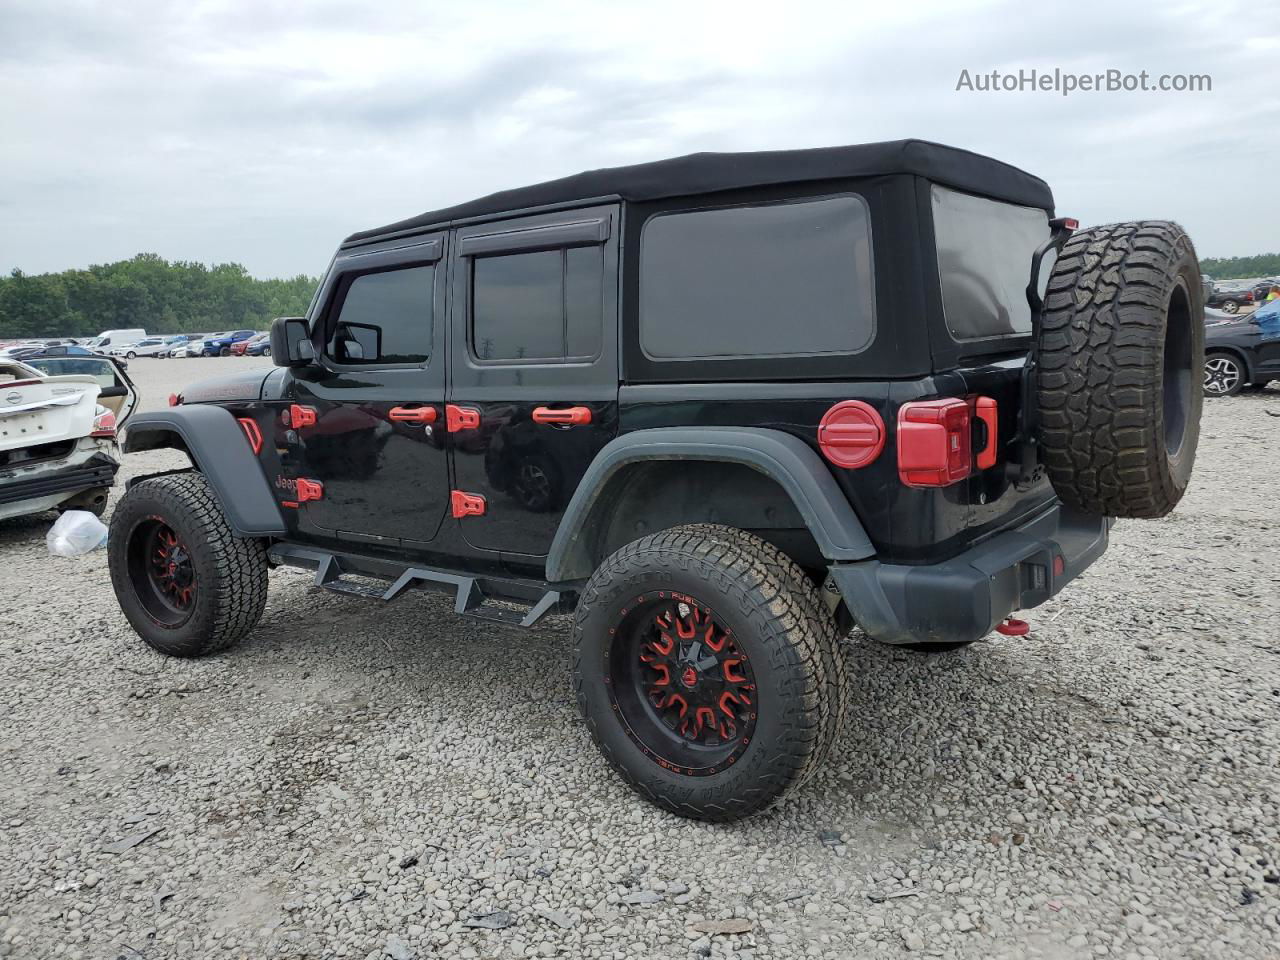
(572, 416)
(413, 414)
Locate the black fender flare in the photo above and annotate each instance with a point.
(219, 450)
(785, 458)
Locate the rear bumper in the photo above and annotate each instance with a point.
(42, 486)
(964, 598)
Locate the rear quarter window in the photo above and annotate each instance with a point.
(985, 248)
(789, 279)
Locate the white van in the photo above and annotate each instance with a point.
(108, 339)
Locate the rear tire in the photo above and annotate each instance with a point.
(186, 584)
(1230, 306)
(778, 643)
(1121, 351)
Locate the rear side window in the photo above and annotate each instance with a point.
(542, 306)
(776, 280)
(985, 248)
(386, 317)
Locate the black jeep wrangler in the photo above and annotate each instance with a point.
(723, 407)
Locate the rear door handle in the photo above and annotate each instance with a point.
(569, 416)
(413, 414)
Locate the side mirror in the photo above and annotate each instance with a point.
(291, 342)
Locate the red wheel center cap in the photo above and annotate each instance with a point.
(690, 677)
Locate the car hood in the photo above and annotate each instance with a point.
(246, 385)
(1215, 331)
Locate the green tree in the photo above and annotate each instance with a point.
(146, 291)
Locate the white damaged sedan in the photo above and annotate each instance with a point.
(58, 422)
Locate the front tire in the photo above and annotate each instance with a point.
(131, 355)
(186, 584)
(224, 352)
(708, 670)
(1224, 375)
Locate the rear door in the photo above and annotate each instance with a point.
(366, 421)
(534, 357)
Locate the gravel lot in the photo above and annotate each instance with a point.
(343, 786)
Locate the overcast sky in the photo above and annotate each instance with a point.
(263, 132)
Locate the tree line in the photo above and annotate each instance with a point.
(150, 292)
(1232, 268)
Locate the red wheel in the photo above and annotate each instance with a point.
(683, 688)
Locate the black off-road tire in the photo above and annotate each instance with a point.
(777, 619)
(230, 573)
(1121, 358)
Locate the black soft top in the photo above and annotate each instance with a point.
(701, 173)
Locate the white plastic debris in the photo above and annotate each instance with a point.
(76, 532)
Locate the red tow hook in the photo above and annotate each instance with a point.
(1012, 627)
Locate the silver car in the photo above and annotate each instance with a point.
(59, 417)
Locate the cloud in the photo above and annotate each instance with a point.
(264, 132)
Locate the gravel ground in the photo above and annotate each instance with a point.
(1107, 786)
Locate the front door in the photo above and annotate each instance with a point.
(534, 357)
(366, 421)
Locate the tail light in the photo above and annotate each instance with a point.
(104, 424)
(175, 399)
(935, 446)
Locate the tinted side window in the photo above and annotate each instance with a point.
(985, 249)
(780, 279)
(547, 305)
(385, 317)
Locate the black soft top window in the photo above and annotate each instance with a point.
(985, 248)
(788, 279)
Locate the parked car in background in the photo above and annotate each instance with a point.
(33, 353)
(1230, 299)
(109, 339)
(241, 347)
(181, 339)
(219, 345)
(191, 348)
(1206, 287)
(150, 347)
(17, 349)
(1242, 352)
(260, 346)
(1263, 290)
(58, 424)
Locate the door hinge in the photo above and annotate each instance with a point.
(466, 504)
(309, 490)
(299, 416)
(461, 418)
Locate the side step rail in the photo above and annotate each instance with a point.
(473, 595)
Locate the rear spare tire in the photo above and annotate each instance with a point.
(1121, 357)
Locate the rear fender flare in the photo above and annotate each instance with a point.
(785, 458)
(217, 447)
